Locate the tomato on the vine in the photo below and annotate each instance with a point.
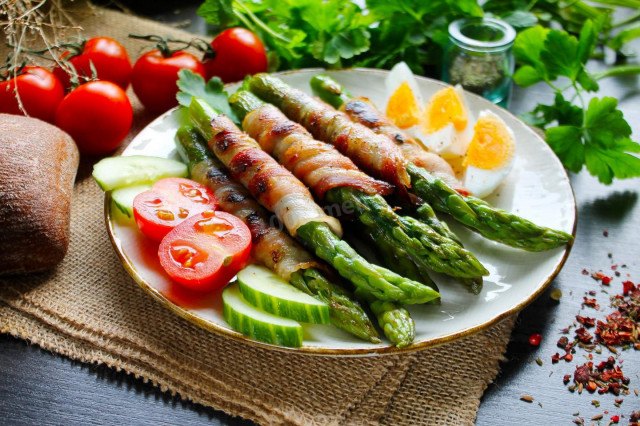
(39, 90)
(238, 52)
(97, 115)
(155, 75)
(170, 202)
(205, 251)
(109, 58)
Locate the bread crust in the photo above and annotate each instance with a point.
(38, 165)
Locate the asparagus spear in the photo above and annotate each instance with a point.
(345, 312)
(489, 221)
(394, 320)
(419, 240)
(327, 245)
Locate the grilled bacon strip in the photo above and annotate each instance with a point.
(319, 165)
(272, 185)
(362, 110)
(374, 154)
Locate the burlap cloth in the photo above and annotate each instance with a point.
(89, 309)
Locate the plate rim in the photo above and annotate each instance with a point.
(347, 352)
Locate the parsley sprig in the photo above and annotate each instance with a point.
(592, 134)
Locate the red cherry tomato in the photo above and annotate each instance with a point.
(205, 251)
(97, 115)
(154, 78)
(109, 58)
(40, 93)
(170, 202)
(238, 52)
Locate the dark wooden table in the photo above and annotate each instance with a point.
(37, 387)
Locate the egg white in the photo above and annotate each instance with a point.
(483, 182)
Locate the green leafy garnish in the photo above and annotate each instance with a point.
(594, 135)
(193, 85)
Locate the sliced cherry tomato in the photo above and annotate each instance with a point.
(154, 78)
(109, 58)
(40, 93)
(97, 115)
(170, 202)
(238, 52)
(205, 251)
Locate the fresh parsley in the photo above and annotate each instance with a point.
(593, 134)
(193, 85)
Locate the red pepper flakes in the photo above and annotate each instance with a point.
(599, 276)
(605, 233)
(585, 272)
(592, 303)
(566, 378)
(634, 418)
(614, 267)
(583, 335)
(627, 287)
(606, 377)
(535, 339)
(586, 321)
(615, 418)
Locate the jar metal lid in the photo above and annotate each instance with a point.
(482, 34)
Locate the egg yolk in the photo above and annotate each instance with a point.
(492, 145)
(403, 109)
(445, 107)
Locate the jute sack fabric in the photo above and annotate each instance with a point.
(89, 309)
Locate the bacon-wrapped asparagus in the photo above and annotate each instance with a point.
(331, 126)
(316, 163)
(280, 192)
(271, 245)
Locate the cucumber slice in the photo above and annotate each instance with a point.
(123, 197)
(116, 172)
(267, 291)
(257, 324)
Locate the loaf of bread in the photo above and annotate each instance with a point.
(38, 164)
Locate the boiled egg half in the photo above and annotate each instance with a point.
(490, 155)
(442, 126)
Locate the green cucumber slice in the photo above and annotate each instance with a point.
(117, 172)
(267, 291)
(123, 197)
(257, 324)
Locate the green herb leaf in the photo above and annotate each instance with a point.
(520, 19)
(559, 55)
(604, 123)
(218, 12)
(613, 162)
(566, 142)
(625, 36)
(193, 85)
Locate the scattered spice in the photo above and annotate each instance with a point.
(586, 321)
(527, 398)
(592, 303)
(615, 418)
(539, 361)
(556, 294)
(535, 339)
(597, 417)
(595, 403)
(605, 233)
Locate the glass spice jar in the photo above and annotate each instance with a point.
(479, 57)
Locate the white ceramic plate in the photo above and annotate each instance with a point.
(537, 188)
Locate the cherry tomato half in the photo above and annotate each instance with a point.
(97, 115)
(205, 251)
(239, 52)
(170, 202)
(40, 93)
(109, 58)
(154, 78)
